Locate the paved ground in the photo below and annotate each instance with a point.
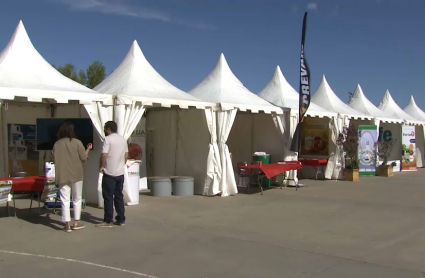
(373, 228)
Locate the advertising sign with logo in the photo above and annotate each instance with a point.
(408, 159)
(315, 138)
(22, 153)
(367, 149)
(5, 187)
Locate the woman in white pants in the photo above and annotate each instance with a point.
(69, 154)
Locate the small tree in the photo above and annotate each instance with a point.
(348, 140)
(384, 150)
(95, 74)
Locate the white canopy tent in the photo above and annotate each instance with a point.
(326, 98)
(221, 86)
(413, 110)
(172, 134)
(389, 106)
(25, 77)
(359, 102)
(280, 93)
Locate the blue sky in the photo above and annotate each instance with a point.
(377, 43)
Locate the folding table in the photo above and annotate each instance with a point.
(270, 171)
(315, 163)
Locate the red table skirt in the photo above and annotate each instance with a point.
(30, 184)
(272, 170)
(314, 162)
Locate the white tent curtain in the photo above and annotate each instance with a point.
(377, 122)
(420, 146)
(212, 180)
(286, 124)
(227, 183)
(99, 114)
(127, 116)
(336, 162)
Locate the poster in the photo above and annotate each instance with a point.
(22, 153)
(367, 149)
(5, 187)
(408, 141)
(390, 132)
(137, 150)
(315, 137)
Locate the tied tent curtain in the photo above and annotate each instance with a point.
(286, 124)
(214, 170)
(336, 161)
(127, 116)
(99, 114)
(227, 183)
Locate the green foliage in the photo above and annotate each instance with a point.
(94, 74)
(349, 141)
(352, 163)
(384, 150)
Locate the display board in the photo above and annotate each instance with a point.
(368, 135)
(22, 153)
(408, 160)
(315, 137)
(47, 130)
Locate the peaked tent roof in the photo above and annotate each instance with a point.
(222, 86)
(360, 103)
(388, 105)
(413, 110)
(280, 93)
(136, 79)
(25, 73)
(326, 98)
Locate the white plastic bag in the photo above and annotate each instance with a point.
(49, 170)
(99, 191)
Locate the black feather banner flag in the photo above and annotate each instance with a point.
(304, 92)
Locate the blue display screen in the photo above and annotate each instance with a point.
(47, 130)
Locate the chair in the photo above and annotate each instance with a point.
(242, 173)
(258, 174)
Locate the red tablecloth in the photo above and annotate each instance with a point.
(313, 162)
(30, 184)
(272, 170)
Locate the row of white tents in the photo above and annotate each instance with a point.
(187, 133)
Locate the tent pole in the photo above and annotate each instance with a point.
(5, 150)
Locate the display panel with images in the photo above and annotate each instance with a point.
(315, 138)
(47, 130)
(22, 153)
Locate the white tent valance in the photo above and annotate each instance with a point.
(24, 73)
(360, 103)
(326, 98)
(223, 87)
(389, 106)
(280, 93)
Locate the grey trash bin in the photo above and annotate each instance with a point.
(160, 186)
(183, 186)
